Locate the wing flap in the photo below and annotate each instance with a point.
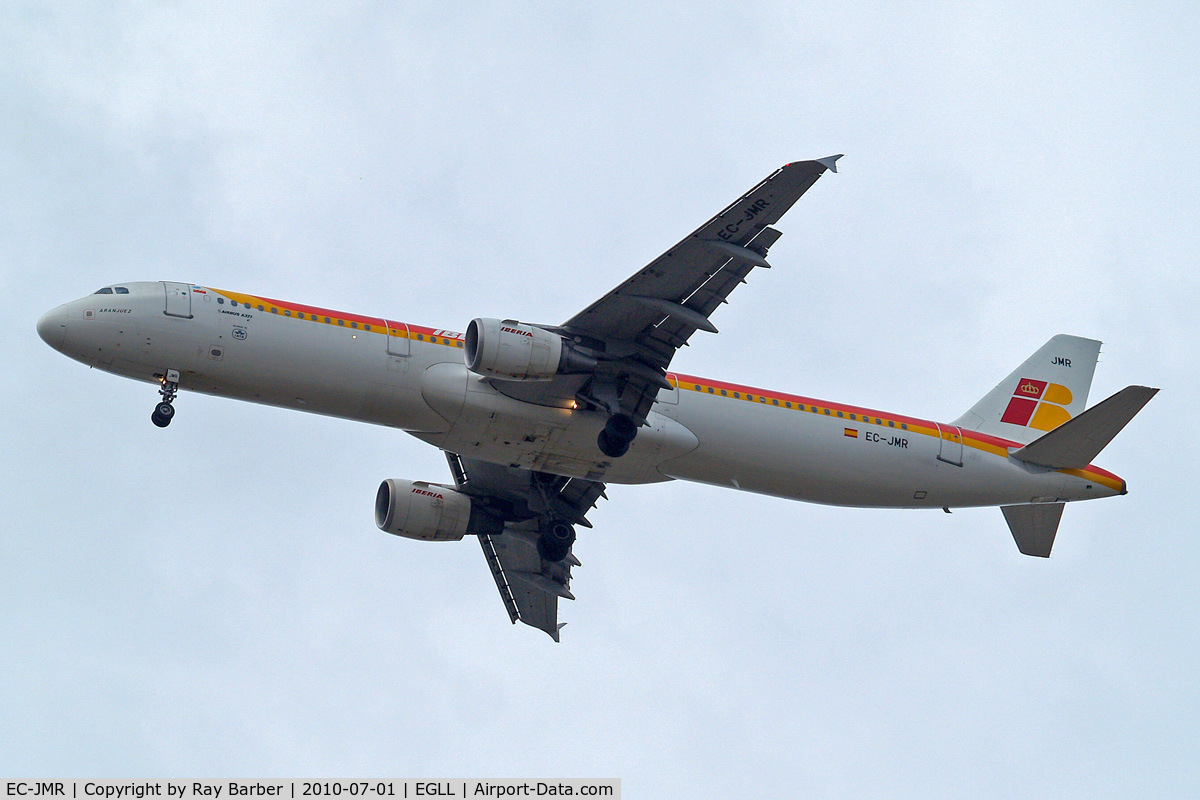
(506, 592)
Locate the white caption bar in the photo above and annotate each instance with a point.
(306, 790)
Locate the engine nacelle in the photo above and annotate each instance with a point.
(515, 351)
(426, 511)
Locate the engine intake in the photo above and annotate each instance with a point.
(516, 351)
(420, 510)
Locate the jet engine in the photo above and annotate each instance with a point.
(430, 512)
(516, 351)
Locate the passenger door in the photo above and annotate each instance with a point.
(951, 447)
(178, 299)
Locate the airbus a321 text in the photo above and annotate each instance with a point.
(536, 419)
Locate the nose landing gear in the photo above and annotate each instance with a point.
(164, 411)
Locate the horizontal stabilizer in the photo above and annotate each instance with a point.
(1077, 441)
(1033, 526)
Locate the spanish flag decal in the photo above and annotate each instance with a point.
(851, 432)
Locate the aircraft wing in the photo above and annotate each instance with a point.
(530, 586)
(640, 324)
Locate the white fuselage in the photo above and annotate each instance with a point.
(414, 378)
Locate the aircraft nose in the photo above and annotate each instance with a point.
(52, 327)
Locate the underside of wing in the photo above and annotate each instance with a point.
(536, 508)
(529, 585)
(660, 306)
(636, 328)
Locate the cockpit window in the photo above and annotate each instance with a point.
(120, 290)
(105, 290)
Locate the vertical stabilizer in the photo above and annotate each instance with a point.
(1050, 388)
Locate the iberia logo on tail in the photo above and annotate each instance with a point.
(1038, 404)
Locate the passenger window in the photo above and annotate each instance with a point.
(260, 308)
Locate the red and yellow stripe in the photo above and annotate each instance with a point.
(343, 319)
(993, 445)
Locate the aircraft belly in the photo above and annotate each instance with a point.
(489, 425)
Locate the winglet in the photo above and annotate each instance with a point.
(829, 162)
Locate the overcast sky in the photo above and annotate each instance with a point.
(214, 600)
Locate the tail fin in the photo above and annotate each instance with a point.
(1050, 388)
(1033, 526)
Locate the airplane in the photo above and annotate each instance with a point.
(536, 419)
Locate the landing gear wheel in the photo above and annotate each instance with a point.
(164, 412)
(619, 432)
(555, 542)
